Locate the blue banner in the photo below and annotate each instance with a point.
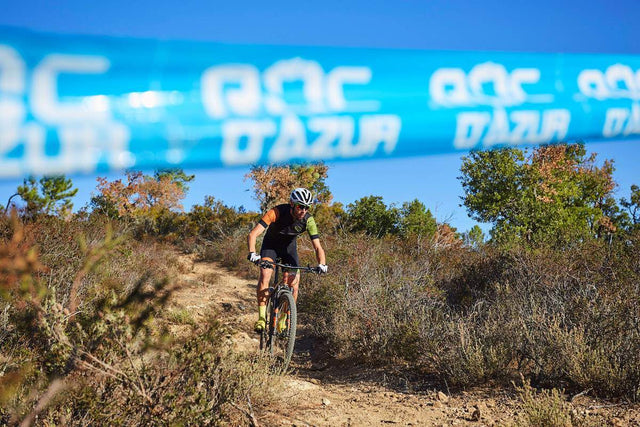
(80, 104)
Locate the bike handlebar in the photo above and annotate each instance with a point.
(271, 264)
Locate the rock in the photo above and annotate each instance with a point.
(325, 401)
(296, 385)
(319, 366)
(241, 307)
(475, 415)
(437, 404)
(314, 381)
(442, 397)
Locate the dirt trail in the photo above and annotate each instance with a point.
(330, 393)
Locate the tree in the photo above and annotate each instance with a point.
(51, 195)
(273, 184)
(214, 219)
(141, 195)
(175, 176)
(555, 195)
(329, 218)
(633, 207)
(474, 237)
(371, 215)
(416, 219)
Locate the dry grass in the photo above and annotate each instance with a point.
(84, 340)
(564, 320)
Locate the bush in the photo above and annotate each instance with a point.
(563, 319)
(546, 408)
(103, 355)
(372, 304)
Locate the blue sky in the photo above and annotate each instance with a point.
(517, 26)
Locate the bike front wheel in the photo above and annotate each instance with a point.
(266, 334)
(283, 336)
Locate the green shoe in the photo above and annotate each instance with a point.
(282, 323)
(260, 325)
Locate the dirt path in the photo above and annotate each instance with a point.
(331, 393)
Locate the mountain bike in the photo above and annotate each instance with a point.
(279, 337)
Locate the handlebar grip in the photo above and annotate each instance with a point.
(265, 264)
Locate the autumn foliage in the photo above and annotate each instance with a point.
(273, 184)
(140, 194)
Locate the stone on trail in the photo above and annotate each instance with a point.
(443, 397)
(476, 415)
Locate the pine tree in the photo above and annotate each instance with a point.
(51, 195)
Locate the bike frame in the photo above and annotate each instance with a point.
(279, 286)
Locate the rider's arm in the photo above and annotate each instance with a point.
(262, 225)
(253, 236)
(319, 251)
(312, 229)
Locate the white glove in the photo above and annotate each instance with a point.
(253, 257)
(323, 268)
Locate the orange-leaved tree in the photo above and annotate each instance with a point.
(142, 195)
(273, 184)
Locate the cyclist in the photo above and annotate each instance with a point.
(283, 224)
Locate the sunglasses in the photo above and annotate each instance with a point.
(302, 207)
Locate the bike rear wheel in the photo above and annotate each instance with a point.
(282, 336)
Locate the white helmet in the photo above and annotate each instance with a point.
(301, 196)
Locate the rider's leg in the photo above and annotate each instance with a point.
(293, 280)
(262, 292)
(290, 278)
(262, 295)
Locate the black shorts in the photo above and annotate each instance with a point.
(288, 254)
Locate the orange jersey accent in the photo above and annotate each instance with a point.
(271, 216)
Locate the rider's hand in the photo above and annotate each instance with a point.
(323, 268)
(253, 257)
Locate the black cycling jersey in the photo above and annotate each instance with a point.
(282, 231)
(283, 227)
